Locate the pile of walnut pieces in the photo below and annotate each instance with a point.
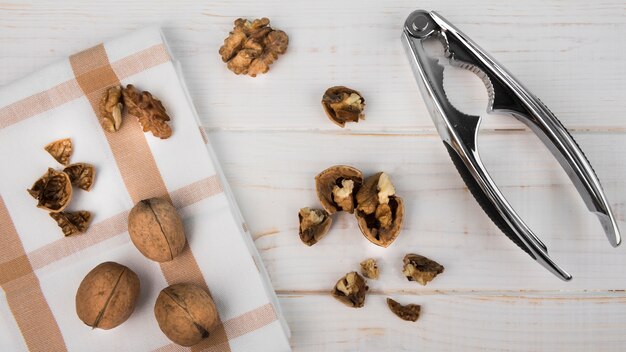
(252, 47)
(146, 108)
(53, 190)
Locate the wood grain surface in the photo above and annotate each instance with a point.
(272, 137)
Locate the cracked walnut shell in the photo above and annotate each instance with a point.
(60, 150)
(379, 211)
(81, 175)
(186, 313)
(72, 223)
(53, 191)
(369, 268)
(421, 269)
(409, 312)
(314, 224)
(351, 290)
(107, 296)
(111, 109)
(336, 188)
(148, 110)
(252, 47)
(342, 104)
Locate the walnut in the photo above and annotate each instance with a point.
(343, 104)
(60, 150)
(421, 269)
(53, 191)
(148, 110)
(351, 290)
(409, 312)
(314, 224)
(253, 46)
(369, 268)
(81, 175)
(111, 109)
(379, 211)
(336, 188)
(72, 223)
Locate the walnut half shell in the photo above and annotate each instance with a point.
(342, 104)
(409, 312)
(336, 188)
(314, 224)
(421, 269)
(379, 211)
(53, 191)
(351, 290)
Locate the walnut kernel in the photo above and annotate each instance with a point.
(149, 110)
(72, 223)
(351, 290)
(421, 269)
(314, 224)
(111, 109)
(53, 191)
(60, 150)
(342, 104)
(409, 312)
(81, 175)
(336, 188)
(369, 268)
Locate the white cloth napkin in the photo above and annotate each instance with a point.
(40, 269)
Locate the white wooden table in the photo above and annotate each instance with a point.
(272, 137)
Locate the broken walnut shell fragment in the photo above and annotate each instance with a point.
(107, 295)
(111, 109)
(72, 222)
(369, 269)
(53, 191)
(186, 313)
(409, 312)
(379, 211)
(156, 229)
(148, 110)
(61, 150)
(314, 224)
(342, 104)
(251, 47)
(351, 290)
(337, 186)
(81, 175)
(421, 269)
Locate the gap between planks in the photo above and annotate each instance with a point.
(417, 132)
(530, 294)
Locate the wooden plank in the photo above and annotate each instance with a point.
(535, 321)
(569, 54)
(272, 177)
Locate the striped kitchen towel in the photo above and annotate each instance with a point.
(40, 269)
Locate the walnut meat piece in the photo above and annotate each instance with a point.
(253, 46)
(72, 223)
(336, 188)
(409, 312)
(351, 290)
(369, 268)
(60, 150)
(314, 224)
(111, 109)
(421, 269)
(81, 175)
(53, 191)
(343, 104)
(149, 110)
(379, 211)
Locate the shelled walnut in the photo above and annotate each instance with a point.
(342, 104)
(336, 188)
(53, 191)
(81, 175)
(351, 290)
(61, 150)
(421, 269)
(111, 109)
(72, 223)
(314, 224)
(409, 312)
(252, 47)
(369, 268)
(148, 110)
(379, 211)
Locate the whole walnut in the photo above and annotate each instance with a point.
(186, 313)
(156, 229)
(107, 295)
